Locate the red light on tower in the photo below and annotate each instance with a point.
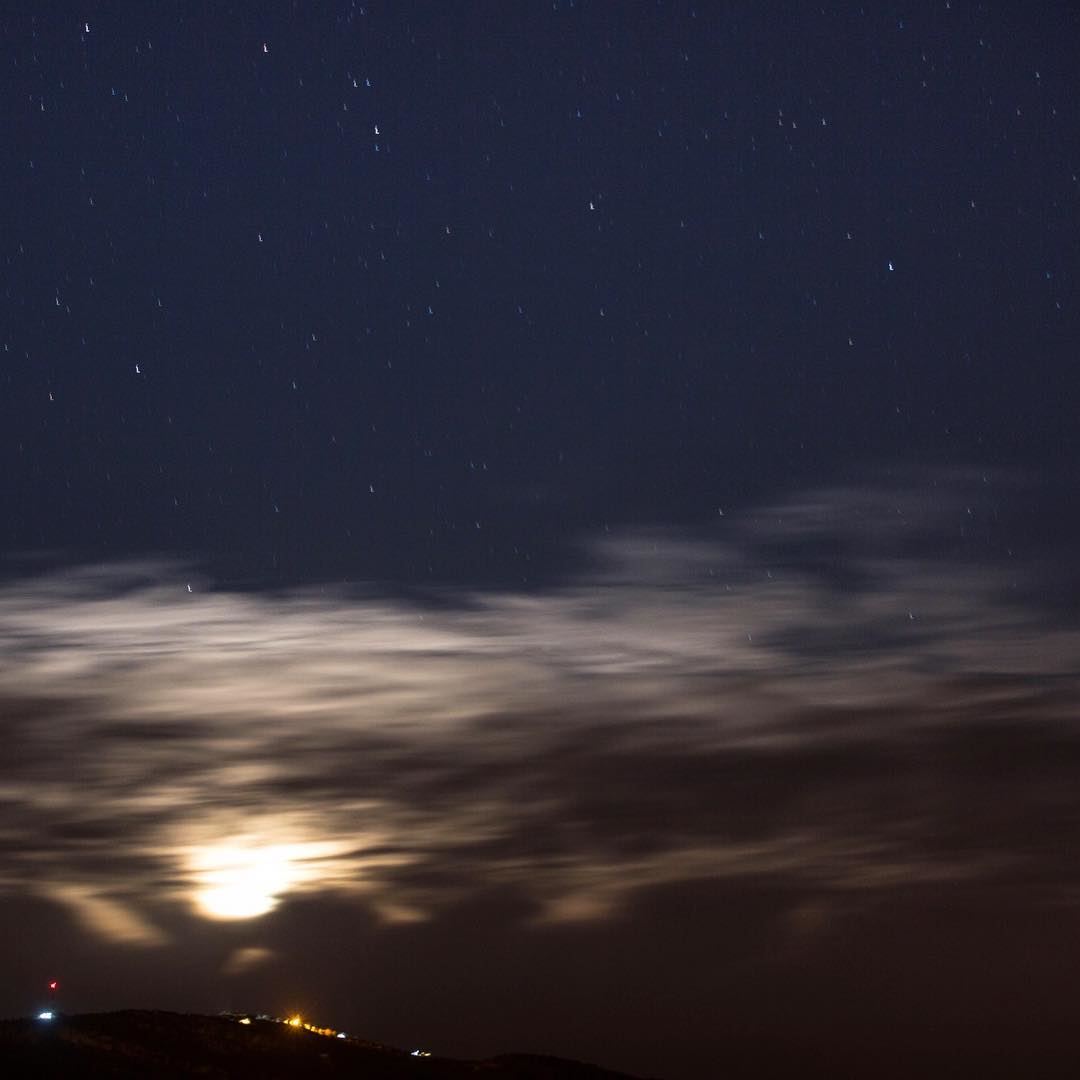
(53, 984)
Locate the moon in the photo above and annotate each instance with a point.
(242, 883)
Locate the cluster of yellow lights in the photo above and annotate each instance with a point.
(299, 1022)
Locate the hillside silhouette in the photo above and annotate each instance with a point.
(141, 1043)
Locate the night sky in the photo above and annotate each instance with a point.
(544, 526)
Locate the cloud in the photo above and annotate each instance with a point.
(109, 918)
(249, 958)
(822, 692)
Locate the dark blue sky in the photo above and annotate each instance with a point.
(545, 526)
(545, 268)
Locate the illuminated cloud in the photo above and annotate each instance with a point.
(243, 877)
(250, 958)
(793, 696)
(104, 915)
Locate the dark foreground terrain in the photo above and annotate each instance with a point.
(140, 1043)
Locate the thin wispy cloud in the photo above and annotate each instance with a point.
(744, 704)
